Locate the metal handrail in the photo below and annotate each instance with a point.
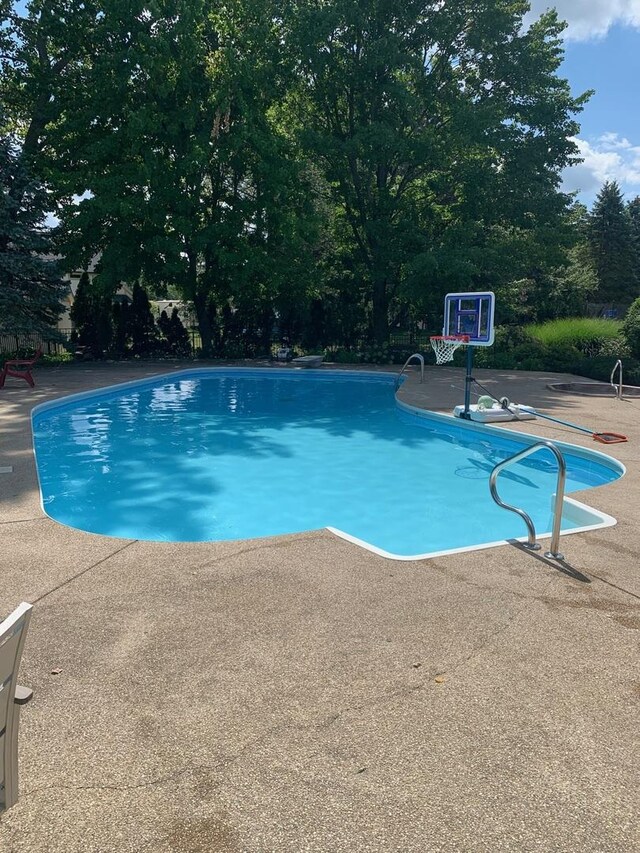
(420, 359)
(557, 510)
(617, 366)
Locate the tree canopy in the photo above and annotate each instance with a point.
(330, 166)
(442, 129)
(30, 283)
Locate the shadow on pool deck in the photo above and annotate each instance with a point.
(299, 693)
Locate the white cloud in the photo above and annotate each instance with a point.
(589, 19)
(608, 158)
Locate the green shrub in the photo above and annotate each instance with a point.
(587, 334)
(561, 358)
(58, 358)
(631, 328)
(600, 367)
(343, 356)
(616, 348)
(515, 348)
(377, 354)
(631, 373)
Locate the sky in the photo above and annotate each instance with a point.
(602, 52)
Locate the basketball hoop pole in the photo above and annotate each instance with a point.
(467, 385)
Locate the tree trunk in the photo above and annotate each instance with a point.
(380, 306)
(267, 326)
(200, 297)
(204, 323)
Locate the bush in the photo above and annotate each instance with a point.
(600, 368)
(518, 349)
(343, 356)
(57, 358)
(631, 328)
(587, 334)
(562, 358)
(377, 354)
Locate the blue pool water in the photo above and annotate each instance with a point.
(236, 454)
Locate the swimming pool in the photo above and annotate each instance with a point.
(236, 453)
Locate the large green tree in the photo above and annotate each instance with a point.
(611, 241)
(442, 129)
(46, 46)
(184, 174)
(319, 158)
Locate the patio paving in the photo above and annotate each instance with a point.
(301, 694)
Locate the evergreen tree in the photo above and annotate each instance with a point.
(82, 312)
(164, 325)
(611, 243)
(93, 317)
(30, 283)
(142, 326)
(633, 209)
(178, 336)
(103, 324)
(120, 316)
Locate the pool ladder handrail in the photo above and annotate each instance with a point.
(617, 366)
(553, 551)
(420, 358)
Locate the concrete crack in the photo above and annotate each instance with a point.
(261, 546)
(170, 777)
(23, 520)
(478, 651)
(83, 572)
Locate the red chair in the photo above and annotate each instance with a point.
(20, 368)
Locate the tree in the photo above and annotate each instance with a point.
(121, 326)
(442, 129)
(611, 242)
(93, 316)
(189, 179)
(45, 45)
(82, 312)
(30, 285)
(566, 289)
(177, 335)
(142, 326)
(631, 328)
(164, 325)
(633, 210)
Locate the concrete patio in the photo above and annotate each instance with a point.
(301, 694)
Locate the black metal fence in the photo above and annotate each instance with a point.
(25, 344)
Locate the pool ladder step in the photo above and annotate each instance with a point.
(619, 386)
(420, 359)
(553, 551)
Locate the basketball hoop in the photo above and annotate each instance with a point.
(444, 346)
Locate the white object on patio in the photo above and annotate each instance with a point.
(13, 632)
(308, 360)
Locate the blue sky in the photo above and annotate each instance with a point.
(602, 52)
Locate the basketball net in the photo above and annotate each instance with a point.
(444, 346)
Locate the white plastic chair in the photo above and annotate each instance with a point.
(13, 632)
